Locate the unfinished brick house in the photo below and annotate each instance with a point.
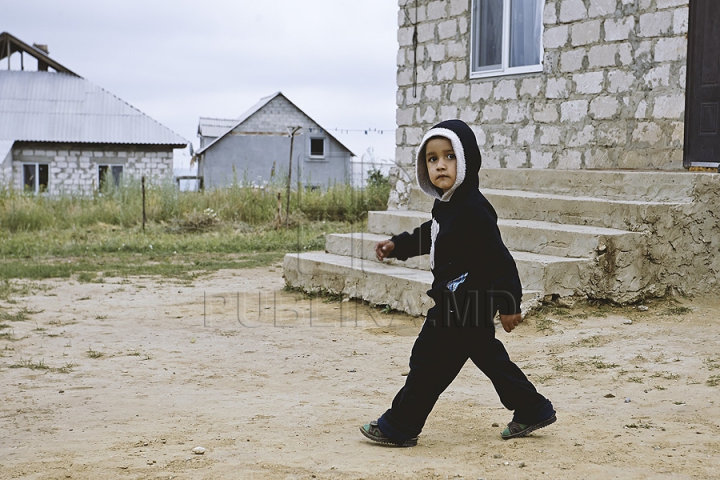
(591, 116)
(61, 133)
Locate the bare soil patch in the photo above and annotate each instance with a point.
(122, 379)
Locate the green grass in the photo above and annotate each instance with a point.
(124, 252)
(94, 353)
(67, 368)
(90, 238)
(674, 311)
(710, 363)
(19, 316)
(543, 323)
(598, 363)
(9, 288)
(39, 365)
(186, 211)
(665, 375)
(9, 336)
(592, 342)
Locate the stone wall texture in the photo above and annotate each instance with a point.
(74, 168)
(611, 94)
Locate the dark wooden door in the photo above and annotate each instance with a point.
(702, 105)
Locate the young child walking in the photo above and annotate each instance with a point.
(474, 276)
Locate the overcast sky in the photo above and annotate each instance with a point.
(182, 59)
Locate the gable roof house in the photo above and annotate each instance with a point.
(255, 148)
(61, 133)
(594, 119)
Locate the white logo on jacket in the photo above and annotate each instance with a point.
(434, 229)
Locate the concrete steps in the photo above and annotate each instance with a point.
(563, 209)
(651, 186)
(535, 270)
(623, 214)
(570, 232)
(542, 237)
(399, 287)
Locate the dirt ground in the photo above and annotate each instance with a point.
(122, 379)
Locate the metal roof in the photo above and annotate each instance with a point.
(5, 147)
(58, 107)
(252, 111)
(214, 127)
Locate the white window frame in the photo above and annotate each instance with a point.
(109, 170)
(317, 157)
(505, 69)
(36, 187)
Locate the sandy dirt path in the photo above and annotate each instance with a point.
(123, 379)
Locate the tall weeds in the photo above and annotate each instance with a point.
(122, 206)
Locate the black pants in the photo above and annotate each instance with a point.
(437, 357)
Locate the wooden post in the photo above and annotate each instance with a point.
(292, 131)
(278, 215)
(144, 218)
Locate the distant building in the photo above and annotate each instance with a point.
(61, 133)
(255, 148)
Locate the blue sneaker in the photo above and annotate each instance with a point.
(515, 430)
(373, 432)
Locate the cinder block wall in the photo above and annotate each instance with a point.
(261, 144)
(612, 93)
(74, 169)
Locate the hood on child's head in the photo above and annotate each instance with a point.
(467, 153)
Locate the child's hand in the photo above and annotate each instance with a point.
(383, 249)
(509, 322)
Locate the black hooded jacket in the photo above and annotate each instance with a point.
(467, 254)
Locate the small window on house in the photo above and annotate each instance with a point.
(317, 147)
(506, 37)
(35, 177)
(109, 173)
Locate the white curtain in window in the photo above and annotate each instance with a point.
(488, 37)
(525, 25)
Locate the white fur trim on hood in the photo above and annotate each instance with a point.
(421, 171)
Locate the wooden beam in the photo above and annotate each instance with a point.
(41, 57)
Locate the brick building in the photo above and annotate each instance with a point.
(60, 133)
(567, 84)
(255, 147)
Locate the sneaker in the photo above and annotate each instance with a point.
(515, 430)
(372, 431)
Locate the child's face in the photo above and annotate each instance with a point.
(441, 163)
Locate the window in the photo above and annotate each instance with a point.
(506, 37)
(317, 147)
(104, 172)
(35, 177)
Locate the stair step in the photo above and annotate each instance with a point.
(599, 212)
(556, 239)
(548, 273)
(524, 235)
(399, 287)
(652, 186)
(393, 222)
